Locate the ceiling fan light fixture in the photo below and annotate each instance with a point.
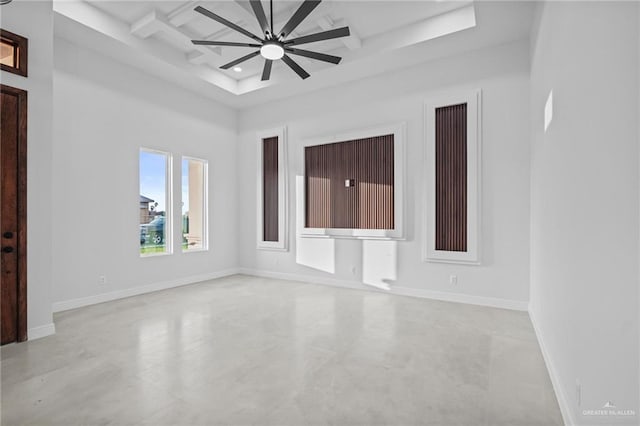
(273, 45)
(272, 51)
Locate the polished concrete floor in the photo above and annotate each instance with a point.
(244, 350)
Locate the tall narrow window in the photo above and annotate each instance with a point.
(155, 202)
(270, 189)
(451, 178)
(194, 204)
(272, 194)
(452, 126)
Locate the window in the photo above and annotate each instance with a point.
(13, 53)
(452, 134)
(353, 184)
(155, 202)
(194, 204)
(272, 190)
(350, 184)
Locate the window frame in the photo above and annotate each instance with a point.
(21, 45)
(398, 131)
(473, 99)
(283, 194)
(205, 204)
(168, 221)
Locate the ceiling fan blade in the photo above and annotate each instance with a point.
(240, 60)
(223, 21)
(266, 71)
(325, 35)
(223, 43)
(314, 55)
(294, 66)
(303, 11)
(258, 10)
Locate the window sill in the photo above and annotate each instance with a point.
(195, 250)
(144, 256)
(355, 234)
(460, 258)
(267, 248)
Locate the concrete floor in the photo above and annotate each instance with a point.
(245, 350)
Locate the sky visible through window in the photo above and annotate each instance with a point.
(153, 170)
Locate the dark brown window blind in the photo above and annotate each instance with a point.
(270, 189)
(350, 184)
(451, 178)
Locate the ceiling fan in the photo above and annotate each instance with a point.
(275, 46)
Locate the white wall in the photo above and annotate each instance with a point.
(502, 74)
(34, 20)
(104, 112)
(585, 185)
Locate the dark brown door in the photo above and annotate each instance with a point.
(13, 160)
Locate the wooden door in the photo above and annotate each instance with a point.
(13, 259)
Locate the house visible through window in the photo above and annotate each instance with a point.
(155, 202)
(194, 204)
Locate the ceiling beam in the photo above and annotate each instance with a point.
(155, 22)
(184, 13)
(352, 42)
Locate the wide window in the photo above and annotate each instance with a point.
(350, 184)
(155, 202)
(353, 184)
(13, 53)
(194, 204)
(452, 126)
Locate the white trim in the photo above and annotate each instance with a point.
(473, 99)
(41, 331)
(565, 408)
(515, 305)
(399, 132)
(135, 291)
(283, 193)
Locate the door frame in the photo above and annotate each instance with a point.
(22, 208)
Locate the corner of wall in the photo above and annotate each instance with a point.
(565, 407)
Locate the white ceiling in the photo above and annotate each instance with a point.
(385, 35)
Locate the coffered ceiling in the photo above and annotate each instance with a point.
(385, 35)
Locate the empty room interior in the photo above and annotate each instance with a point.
(305, 212)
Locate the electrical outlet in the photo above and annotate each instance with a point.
(453, 279)
(102, 279)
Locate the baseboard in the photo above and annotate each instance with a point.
(515, 305)
(41, 331)
(493, 302)
(565, 408)
(135, 291)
